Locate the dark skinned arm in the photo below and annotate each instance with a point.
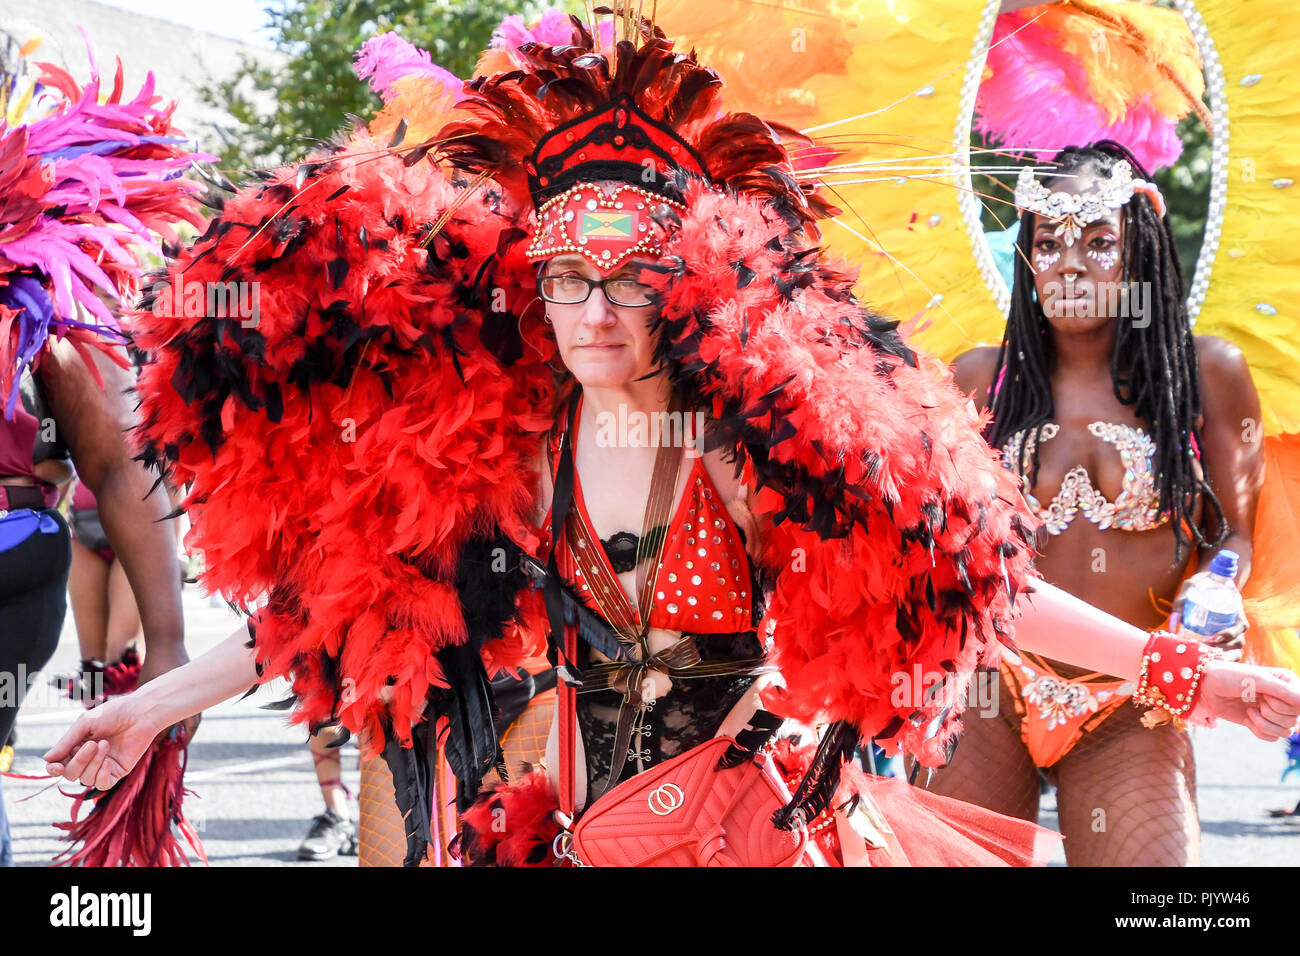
(1232, 450)
(973, 373)
(1232, 440)
(92, 421)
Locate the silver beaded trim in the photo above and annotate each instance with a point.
(967, 201)
(1216, 92)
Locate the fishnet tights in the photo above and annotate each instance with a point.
(991, 767)
(1126, 796)
(381, 838)
(380, 833)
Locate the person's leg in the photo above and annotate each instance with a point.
(991, 767)
(88, 594)
(123, 628)
(381, 834)
(332, 832)
(1127, 796)
(33, 602)
(329, 767)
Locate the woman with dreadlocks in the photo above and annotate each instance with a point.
(1127, 431)
(574, 373)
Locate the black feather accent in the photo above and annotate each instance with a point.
(744, 274)
(286, 704)
(274, 402)
(399, 134)
(417, 154)
(305, 172)
(817, 788)
(412, 770)
(338, 271)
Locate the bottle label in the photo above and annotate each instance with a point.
(1201, 620)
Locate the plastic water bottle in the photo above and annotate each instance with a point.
(1212, 603)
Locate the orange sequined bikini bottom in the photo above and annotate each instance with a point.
(1056, 711)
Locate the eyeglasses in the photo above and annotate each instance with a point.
(572, 289)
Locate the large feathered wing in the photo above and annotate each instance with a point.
(896, 542)
(367, 411)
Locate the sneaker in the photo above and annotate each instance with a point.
(330, 836)
(85, 687)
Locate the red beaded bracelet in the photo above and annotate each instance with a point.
(1171, 676)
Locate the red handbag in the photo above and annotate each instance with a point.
(686, 812)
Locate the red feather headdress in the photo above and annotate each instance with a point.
(539, 129)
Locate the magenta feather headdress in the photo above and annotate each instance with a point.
(1127, 72)
(85, 189)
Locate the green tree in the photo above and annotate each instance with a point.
(315, 88)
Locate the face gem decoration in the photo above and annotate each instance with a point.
(1104, 258)
(1073, 210)
(1045, 260)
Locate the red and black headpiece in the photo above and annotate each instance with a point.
(639, 114)
(616, 143)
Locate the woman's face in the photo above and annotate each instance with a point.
(1080, 286)
(604, 345)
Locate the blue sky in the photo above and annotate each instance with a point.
(242, 19)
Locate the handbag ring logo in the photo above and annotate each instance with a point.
(664, 799)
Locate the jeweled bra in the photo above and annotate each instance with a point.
(1136, 508)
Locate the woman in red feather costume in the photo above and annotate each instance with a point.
(441, 447)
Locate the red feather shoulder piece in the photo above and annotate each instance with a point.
(370, 409)
(896, 542)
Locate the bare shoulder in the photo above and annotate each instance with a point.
(1221, 361)
(1228, 393)
(74, 393)
(973, 372)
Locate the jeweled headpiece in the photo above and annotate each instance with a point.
(581, 178)
(574, 120)
(1076, 210)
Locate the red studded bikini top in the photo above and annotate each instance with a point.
(703, 586)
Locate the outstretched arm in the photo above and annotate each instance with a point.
(105, 743)
(1060, 626)
(92, 421)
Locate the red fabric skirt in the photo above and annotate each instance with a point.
(515, 826)
(938, 831)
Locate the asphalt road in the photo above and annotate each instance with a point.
(256, 788)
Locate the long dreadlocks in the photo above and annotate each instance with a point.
(1153, 366)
